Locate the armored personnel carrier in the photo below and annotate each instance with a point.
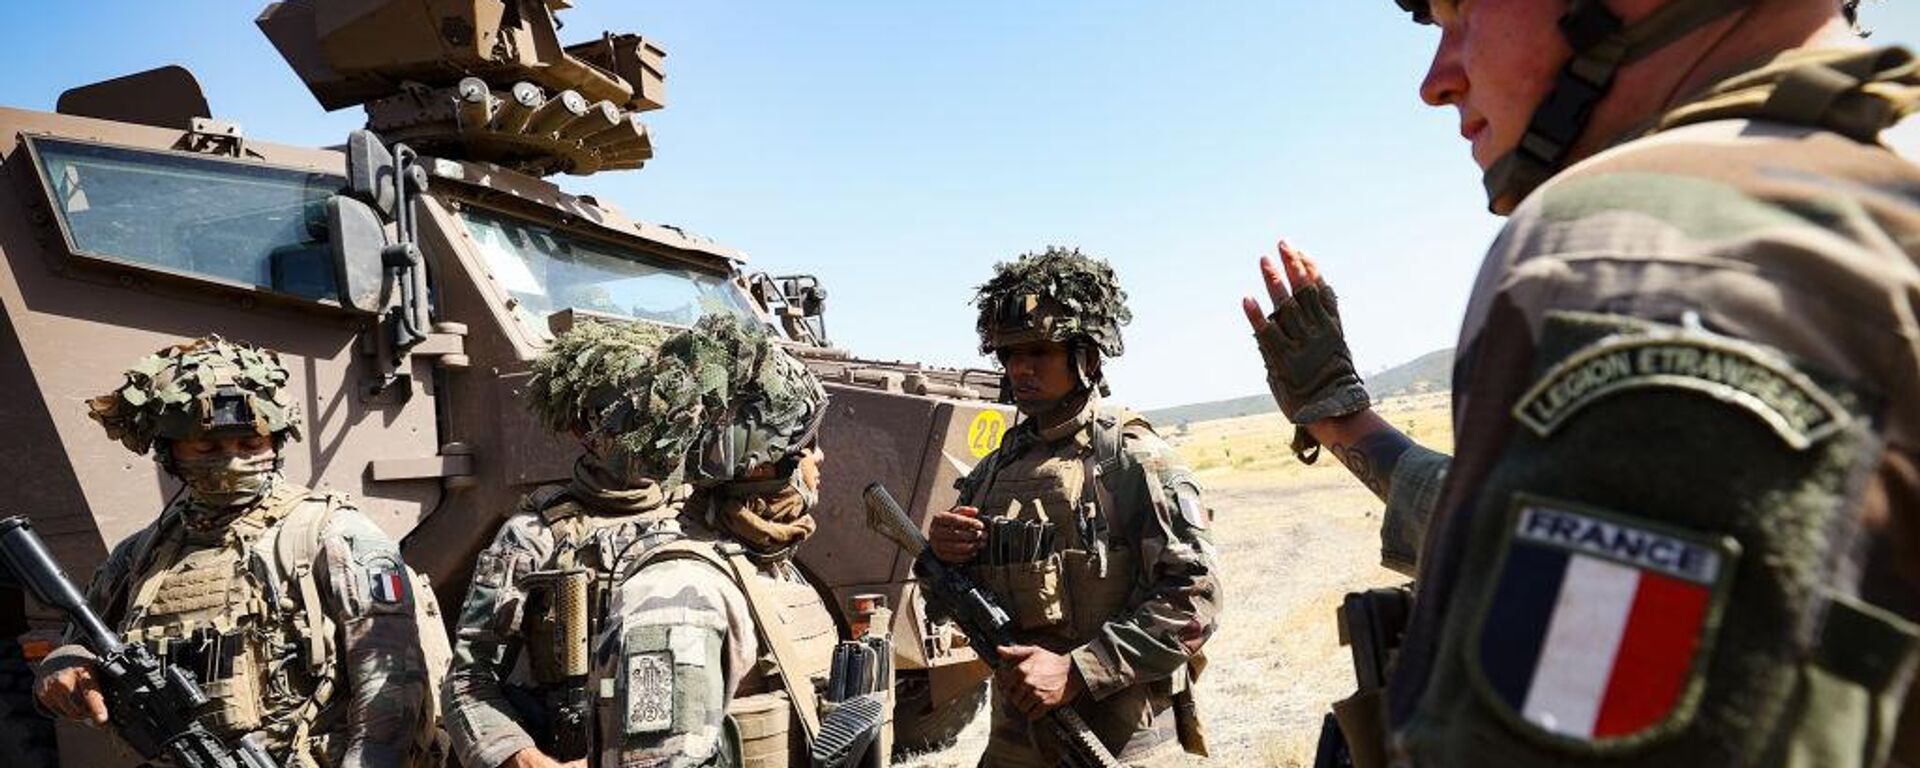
(408, 278)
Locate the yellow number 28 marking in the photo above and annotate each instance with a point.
(984, 434)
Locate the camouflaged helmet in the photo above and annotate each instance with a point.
(1057, 295)
(763, 406)
(203, 387)
(607, 383)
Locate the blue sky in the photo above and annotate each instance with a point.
(897, 149)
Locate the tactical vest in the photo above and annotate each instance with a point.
(1063, 596)
(776, 705)
(242, 610)
(1704, 613)
(603, 546)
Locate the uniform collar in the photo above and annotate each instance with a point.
(1074, 428)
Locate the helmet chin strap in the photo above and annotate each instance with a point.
(1601, 44)
(1087, 375)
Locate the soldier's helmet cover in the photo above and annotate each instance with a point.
(762, 405)
(1057, 295)
(607, 384)
(207, 386)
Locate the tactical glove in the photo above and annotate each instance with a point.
(1309, 367)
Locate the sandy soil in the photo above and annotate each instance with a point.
(1294, 540)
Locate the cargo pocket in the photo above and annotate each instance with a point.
(1095, 598)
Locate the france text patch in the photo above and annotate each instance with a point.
(1598, 623)
(1747, 376)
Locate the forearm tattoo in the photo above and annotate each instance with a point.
(1373, 458)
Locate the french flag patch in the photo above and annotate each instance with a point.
(1600, 624)
(387, 584)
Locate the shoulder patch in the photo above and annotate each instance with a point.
(649, 692)
(386, 583)
(1748, 376)
(1599, 626)
(1186, 496)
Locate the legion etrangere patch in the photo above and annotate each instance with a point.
(1744, 375)
(1599, 625)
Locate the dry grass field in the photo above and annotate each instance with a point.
(1294, 539)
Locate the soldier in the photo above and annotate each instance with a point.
(1120, 593)
(293, 610)
(686, 643)
(539, 589)
(1679, 525)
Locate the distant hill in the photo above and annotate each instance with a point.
(1431, 372)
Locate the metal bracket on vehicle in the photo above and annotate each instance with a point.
(454, 463)
(214, 137)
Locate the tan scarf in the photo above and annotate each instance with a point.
(766, 523)
(604, 490)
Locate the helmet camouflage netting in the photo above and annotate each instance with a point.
(762, 403)
(189, 390)
(1056, 295)
(609, 382)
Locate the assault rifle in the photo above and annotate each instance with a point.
(157, 708)
(986, 624)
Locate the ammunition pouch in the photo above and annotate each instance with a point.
(763, 723)
(1363, 728)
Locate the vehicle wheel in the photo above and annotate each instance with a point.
(917, 725)
(26, 736)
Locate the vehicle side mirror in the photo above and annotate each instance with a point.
(370, 171)
(355, 239)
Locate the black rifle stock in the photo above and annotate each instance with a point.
(156, 708)
(986, 625)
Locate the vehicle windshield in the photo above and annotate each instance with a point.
(547, 270)
(237, 222)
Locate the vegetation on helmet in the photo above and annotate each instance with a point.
(1056, 295)
(187, 391)
(584, 371)
(762, 404)
(609, 383)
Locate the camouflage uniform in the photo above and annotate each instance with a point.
(686, 606)
(493, 704)
(206, 587)
(375, 724)
(622, 501)
(686, 648)
(1130, 591)
(1687, 403)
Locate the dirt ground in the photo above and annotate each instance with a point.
(1294, 539)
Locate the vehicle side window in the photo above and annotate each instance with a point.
(236, 222)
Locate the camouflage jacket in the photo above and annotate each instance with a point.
(377, 645)
(1165, 597)
(485, 726)
(683, 612)
(1704, 339)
